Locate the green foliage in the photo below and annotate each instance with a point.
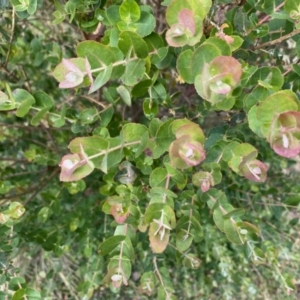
(156, 155)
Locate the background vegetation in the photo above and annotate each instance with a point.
(59, 235)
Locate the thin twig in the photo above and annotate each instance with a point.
(160, 278)
(42, 186)
(279, 40)
(11, 37)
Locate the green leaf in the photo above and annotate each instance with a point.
(220, 44)
(132, 42)
(43, 214)
(146, 24)
(25, 101)
(183, 240)
(150, 108)
(106, 115)
(258, 94)
(132, 132)
(203, 54)
(237, 42)
(141, 88)
(184, 66)
(26, 294)
(109, 55)
(124, 94)
(267, 77)
(134, 72)
(218, 218)
(15, 210)
(39, 116)
(158, 177)
(192, 261)
(101, 78)
(110, 244)
(43, 100)
(129, 11)
(6, 103)
(176, 176)
(32, 7)
(232, 232)
(163, 139)
(113, 14)
(238, 212)
(260, 117)
(88, 116)
(153, 211)
(143, 144)
(92, 145)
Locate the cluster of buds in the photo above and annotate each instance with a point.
(218, 78)
(285, 136)
(244, 163)
(187, 150)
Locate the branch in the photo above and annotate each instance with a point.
(168, 295)
(279, 40)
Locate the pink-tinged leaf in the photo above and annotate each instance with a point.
(159, 237)
(74, 167)
(176, 36)
(186, 18)
(116, 280)
(191, 129)
(285, 134)
(71, 80)
(286, 145)
(119, 212)
(205, 186)
(204, 180)
(185, 152)
(229, 67)
(255, 170)
(228, 39)
(220, 87)
(290, 121)
(70, 72)
(72, 67)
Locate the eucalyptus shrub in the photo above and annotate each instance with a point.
(159, 123)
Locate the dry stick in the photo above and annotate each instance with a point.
(279, 40)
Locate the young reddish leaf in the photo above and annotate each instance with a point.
(119, 212)
(73, 76)
(70, 72)
(285, 134)
(255, 170)
(186, 18)
(204, 180)
(185, 152)
(188, 128)
(74, 167)
(227, 65)
(219, 77)
(176, 36)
